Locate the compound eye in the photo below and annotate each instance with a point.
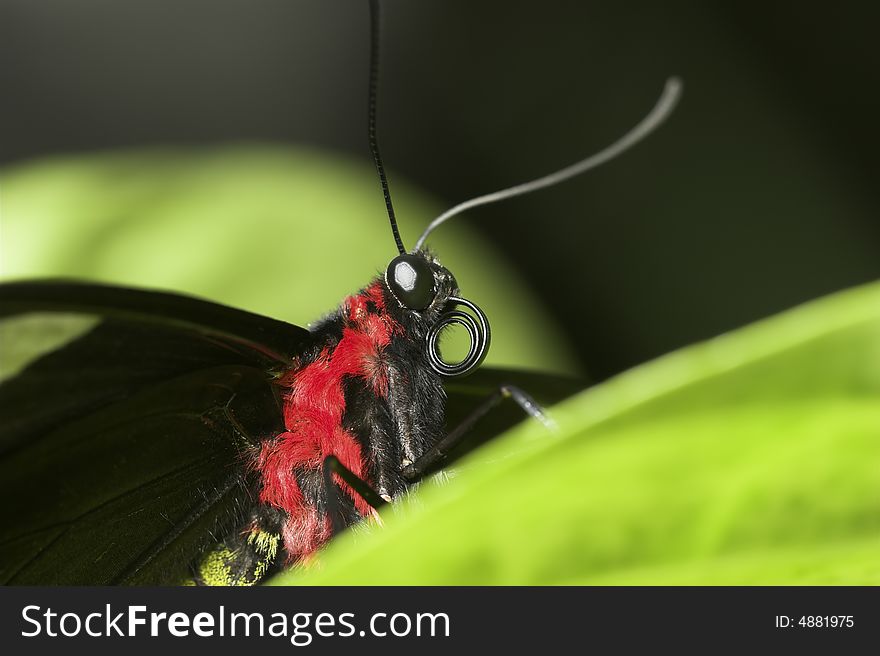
(411, 281)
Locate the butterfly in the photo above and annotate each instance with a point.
(168, 439)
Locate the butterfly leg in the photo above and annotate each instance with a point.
(244, 558)
(440, 451)
(332, 466)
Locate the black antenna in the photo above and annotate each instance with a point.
(371, 130)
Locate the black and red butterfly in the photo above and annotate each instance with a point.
(177, 440)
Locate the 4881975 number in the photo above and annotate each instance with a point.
(826, 621)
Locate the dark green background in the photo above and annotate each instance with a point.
(760, 192)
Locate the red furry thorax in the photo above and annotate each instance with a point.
(314, 405)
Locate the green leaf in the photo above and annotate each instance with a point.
(753, 458)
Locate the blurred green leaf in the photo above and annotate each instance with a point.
(280, 231)
(750, 459)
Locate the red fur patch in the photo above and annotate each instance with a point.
(314, 405)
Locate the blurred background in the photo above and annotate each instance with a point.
(758, 194)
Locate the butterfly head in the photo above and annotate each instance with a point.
(428, 293)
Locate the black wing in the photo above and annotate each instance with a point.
(120, 452)
(274, 339)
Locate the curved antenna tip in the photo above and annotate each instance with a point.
(661, 111)
(673, 88)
